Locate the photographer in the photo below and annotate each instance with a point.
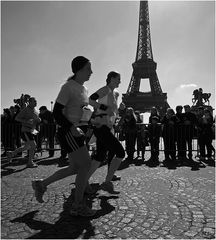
(22, 101)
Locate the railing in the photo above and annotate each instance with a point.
(11, 137)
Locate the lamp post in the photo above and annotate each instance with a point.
(51, 106)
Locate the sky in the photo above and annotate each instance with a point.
(39, 40)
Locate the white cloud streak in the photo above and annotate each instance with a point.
(188, 85)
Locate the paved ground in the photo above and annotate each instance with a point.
(153, 203)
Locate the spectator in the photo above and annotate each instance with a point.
(205, 134)
(180, 135)
(6, 132)
(189, 121)
(138, 116)
(154, 131)
(119, 123)
(169, 135)
(121, 109)
(17, 129)
(142, 139)
(199, 115)
(154, 112)
(140, 135)
(213, 137)
(47, 129)
(130, 131)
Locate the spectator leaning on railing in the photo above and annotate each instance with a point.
(205, 134)
(180, 135)
(189, 121)
(130, 131)
(154, 133)
(169, 136)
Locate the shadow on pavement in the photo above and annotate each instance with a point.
(67, 227)
(47, 161)
(169, 165)
(124, 164)
(5, 171)
(194, 165)
(7, 168)
(152, 164)
(138, 161)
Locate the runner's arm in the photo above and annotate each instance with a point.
(59, 116)
(97, 95)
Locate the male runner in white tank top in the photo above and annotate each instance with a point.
(105, 102)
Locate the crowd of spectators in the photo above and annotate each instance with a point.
(177, 129)
(11, 128)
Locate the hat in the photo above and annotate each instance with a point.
(78, 63)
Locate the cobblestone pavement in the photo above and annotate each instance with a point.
(153, 203)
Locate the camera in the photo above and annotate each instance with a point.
(22, 101)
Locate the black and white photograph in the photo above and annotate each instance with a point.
(108, 119)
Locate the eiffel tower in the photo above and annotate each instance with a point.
(144, 68)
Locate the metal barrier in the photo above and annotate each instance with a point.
(46, 138)
(179, 136)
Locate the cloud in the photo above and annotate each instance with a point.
(181, 95)
(191, 85)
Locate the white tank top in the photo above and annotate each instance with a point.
(102, 117)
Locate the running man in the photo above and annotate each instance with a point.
(29, 119)
(68, 112)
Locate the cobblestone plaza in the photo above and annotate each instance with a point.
(152, 203)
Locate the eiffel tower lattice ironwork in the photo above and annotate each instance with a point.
(144, 68)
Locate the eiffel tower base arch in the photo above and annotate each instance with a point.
(143, 102)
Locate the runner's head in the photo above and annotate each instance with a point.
(113, 79)
(81, 67)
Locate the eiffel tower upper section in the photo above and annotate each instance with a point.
(144, 68)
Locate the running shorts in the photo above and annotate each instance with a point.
(68, 142)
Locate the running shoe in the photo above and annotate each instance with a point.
(89, 190)
(39, 190)
(82, 210)
(108, 187)
(116, 178)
